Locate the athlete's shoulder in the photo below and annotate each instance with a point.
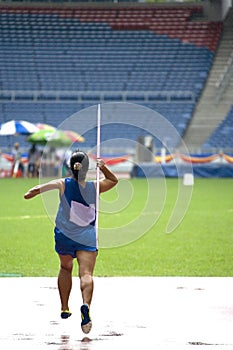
(90, 184)
(61, 184)
(67, 179)
(70, 183)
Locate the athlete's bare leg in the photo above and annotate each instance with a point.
(86, 261)
(65, 280)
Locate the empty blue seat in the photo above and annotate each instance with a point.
(49, 50)
(222, 135)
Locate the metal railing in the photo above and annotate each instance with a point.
(97, 96)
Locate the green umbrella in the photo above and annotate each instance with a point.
(57, 138)
(40, 137)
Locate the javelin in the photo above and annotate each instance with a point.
(97, 172)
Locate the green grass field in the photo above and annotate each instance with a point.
(200, 246)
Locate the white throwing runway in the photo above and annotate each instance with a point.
(127, 313)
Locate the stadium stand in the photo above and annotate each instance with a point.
(222, 137)
(56, 61)
(216, 98)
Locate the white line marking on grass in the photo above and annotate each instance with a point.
(135, 213)
(23, 217)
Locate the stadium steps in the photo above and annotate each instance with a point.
(208, 113)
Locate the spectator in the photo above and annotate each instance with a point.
(18, 166)
(33, 156)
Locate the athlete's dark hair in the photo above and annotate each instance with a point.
(79, 164)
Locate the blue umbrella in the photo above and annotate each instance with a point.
(17, 127)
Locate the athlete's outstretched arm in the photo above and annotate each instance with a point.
(51, 185)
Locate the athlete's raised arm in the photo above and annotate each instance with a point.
(110, 180)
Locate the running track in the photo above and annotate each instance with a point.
(127, 313)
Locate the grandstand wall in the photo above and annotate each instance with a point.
(58, 59)
(122, 49)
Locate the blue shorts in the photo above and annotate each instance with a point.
(66, 246)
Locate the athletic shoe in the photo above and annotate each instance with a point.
(65, 314)
(86, 323)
